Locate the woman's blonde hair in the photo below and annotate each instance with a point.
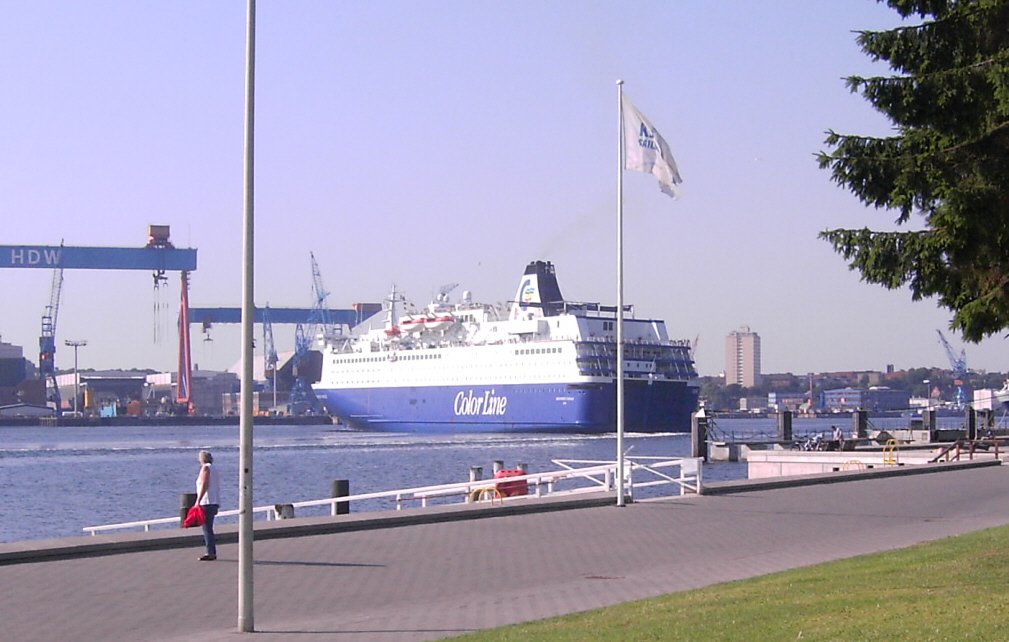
(206, 457)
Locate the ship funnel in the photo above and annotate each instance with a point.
(538, 294)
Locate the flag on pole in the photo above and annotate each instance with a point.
(646, 151)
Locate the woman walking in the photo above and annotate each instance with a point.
(208, 495)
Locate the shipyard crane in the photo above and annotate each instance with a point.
(303, 400)
(269, 352)
(320, 321)
(959, 365)
(158, 255)
(47, 339)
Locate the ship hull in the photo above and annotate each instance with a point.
(650, 406)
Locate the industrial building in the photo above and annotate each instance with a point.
(19, 385)
(876, 398)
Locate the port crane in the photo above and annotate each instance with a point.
(303, 400)
(158, 256)
(269, 352)
(301, 318)
(47, 339)
(958, 363)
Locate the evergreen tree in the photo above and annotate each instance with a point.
(947, 163)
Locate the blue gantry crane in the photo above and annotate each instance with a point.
(958, 363)
(310, 364)
(158, 256)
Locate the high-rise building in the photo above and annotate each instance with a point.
(742, 358)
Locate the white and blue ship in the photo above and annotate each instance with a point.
(541, 364)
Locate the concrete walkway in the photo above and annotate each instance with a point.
(434, 580)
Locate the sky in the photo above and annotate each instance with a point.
(427, 143)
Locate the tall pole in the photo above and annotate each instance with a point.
(246, 619)
(77, 373)
(620, 294)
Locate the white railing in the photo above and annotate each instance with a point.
(596, 477)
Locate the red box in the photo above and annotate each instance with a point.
(511, 488)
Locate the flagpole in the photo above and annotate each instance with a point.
(620, 294)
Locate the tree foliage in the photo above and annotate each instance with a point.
(947, 162)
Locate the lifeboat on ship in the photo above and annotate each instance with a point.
(412, 324)
(439, 322)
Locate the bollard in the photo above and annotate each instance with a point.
(860, 424)
(524, 468)
(187, 500)
(928, 423)
(699, 435)
(284, 511)
(498, 466)
(475, 475)
(341, 488)
(785, 426)
(971, 421)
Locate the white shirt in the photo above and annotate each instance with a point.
(213, 495)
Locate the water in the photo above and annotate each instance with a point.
(55, 481)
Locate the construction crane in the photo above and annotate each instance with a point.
(959, 365)
(47, 339)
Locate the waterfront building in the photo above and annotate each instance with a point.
(742, 358)
(210, 388)
(877, 398)
(779, 401)
(18, 384)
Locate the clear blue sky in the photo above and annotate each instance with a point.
(424, 143)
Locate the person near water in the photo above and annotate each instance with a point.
(208, 495)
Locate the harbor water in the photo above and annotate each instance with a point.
(55, 481)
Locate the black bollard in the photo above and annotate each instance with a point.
(928, 422)
(341, 488)
(860, 424)
(785, 426)
(187, 500)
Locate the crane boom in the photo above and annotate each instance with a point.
(958, 363)
(303, 400)
(319, 321)
(47, 339)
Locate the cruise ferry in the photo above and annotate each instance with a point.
(539, 364)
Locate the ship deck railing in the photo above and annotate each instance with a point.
(684, 474)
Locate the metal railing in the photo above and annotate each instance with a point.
(596, 477)
(961, 447)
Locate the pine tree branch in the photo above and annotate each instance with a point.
(833, 138)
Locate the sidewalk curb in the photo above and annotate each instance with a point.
(31, 551)
(749, 485)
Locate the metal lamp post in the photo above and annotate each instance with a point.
(77, 375)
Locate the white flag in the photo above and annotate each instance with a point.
(646, 151)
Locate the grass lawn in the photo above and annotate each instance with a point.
(952, 589)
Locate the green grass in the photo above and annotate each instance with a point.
(952, 589)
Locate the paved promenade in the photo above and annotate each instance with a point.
(435, 580)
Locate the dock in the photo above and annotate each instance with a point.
(449, 573)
